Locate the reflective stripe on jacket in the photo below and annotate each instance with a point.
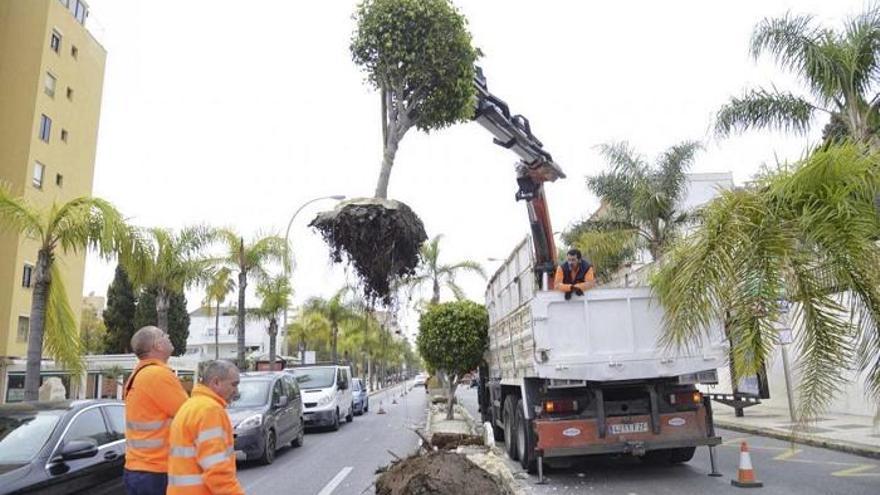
(151, 401)
(202, 458)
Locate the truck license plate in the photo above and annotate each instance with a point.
(624, 428)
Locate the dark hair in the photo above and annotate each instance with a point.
(575, 252)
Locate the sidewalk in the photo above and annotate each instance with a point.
(844, 432)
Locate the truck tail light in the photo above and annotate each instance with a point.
(560, 406)
(686, 398)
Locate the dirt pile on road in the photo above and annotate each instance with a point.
(438, 473)
(381, 239)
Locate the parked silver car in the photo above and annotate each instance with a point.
(360, 395)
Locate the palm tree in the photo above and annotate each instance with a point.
(275, 293)
(250, 260)
(805, 235)
(838, 68)
(430, 270)
(640, 205)
(68, 228)
(175, 262)
(218, 288)
(310, 330)
(336, 310)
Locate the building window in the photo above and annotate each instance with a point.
(26, 275)
(50, 85)
(81, 13)
(24, 324)
(74, 51)
(59, 180)
(39, 168)
(70, 93)
(64, 135)
(45, 128)
(55, 41)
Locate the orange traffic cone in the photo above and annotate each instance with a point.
(745, 477)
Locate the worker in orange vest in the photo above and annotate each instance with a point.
(202, 459)
(153, 394)
(575, 275)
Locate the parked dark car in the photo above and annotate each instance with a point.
(62, 447)
(360, 396)
(267, 415)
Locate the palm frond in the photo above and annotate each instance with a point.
(673, 167)
(799, 47)
(623, 159)
(18, 215)
(862, 40)
(61, 337)
(761, 108)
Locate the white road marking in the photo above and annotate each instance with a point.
(329, 487)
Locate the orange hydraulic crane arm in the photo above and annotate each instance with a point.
(535, 167)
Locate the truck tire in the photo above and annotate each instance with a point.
(525, 441)
(683, 454)
(509, 419)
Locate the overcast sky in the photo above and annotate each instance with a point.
(235, 113)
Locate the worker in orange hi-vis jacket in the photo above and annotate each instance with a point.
(202, 457)
(575, 275)
(153, 394)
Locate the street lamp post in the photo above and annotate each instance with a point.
(337, 197)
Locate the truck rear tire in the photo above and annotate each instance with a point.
(525, 441)
(509, 419)
(683, 454)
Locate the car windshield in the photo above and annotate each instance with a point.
(251, 393)
(23, 435)
(315, 377)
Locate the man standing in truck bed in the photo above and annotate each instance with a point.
(575, 275)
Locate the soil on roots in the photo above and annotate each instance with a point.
(438, 473)
(381, 239)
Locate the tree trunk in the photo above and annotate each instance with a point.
(273, 332)
(435, 298)
(450, 396)
(302, 348)
(40, 298)
(396, 127)
(217, 333)
(334, 338)
(162, 304)
(242, 285)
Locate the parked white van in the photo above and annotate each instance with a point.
(326, 394)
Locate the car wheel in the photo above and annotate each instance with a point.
(525, 441)
(268, 456)
(350, 417)
(335, 425)
(509, 424)
(298, 440)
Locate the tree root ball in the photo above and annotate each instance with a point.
(438, 473)
(381, 238)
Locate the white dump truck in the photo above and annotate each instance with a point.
(586, 376)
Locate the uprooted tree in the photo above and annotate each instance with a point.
(452, 339)
(418, 55)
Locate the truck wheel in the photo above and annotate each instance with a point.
(683, 454)
(509, 424)
(525, 441)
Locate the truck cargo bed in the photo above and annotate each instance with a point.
(606, 335)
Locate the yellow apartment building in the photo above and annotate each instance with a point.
(51, 80)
